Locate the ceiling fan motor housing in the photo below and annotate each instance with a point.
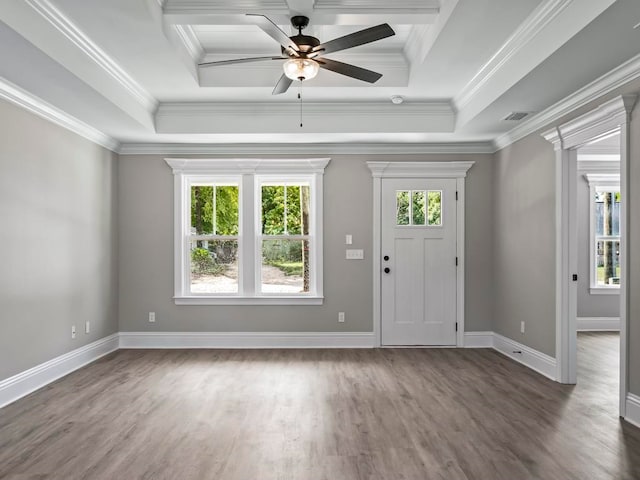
(305, 42)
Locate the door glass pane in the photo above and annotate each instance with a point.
(418, 199)
(214, 210)
(402, 207)
(285, 266)
(608, 262)
(435, 207)
(214, 266)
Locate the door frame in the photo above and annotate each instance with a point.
(427, 170)
(612, 117)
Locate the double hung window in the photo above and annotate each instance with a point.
(604, 194)
(248, 231)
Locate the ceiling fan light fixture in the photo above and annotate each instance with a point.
(301, 68)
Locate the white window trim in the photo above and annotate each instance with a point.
(598, 182)
(248, 173)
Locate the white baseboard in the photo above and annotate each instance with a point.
(478, 339)
(22, 384)
(598, 324)
(246, 340)
(13, 388)
(632, 413)
(538, 361)
(529, 357)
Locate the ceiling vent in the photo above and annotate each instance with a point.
(516, 116)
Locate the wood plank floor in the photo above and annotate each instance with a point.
(323, 414)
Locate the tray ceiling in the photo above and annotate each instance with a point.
(129, 68)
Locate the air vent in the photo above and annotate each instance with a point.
(516, 116)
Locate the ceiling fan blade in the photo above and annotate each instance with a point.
(282, 86)
(349, 70)
(354, 39)
(239, 60)
(275, 32)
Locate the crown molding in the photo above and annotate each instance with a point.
(223, 6)
(460, 148)
(430, 6)
(65, 26)
(542, 16)
(423, 36)
(190, 41)
(596, 124)
(36, 105)
(616, 78)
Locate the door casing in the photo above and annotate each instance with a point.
(454, 170)
(609, 118)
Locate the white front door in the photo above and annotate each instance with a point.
(418, 261)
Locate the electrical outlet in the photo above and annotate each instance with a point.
(340, 317)
(521, 327)
(152, 317)
(87, 327)
(348, 239)
(73, 331)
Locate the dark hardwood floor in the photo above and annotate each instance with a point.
(323, 414)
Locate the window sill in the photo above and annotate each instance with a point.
(298, 300)
(604, 290)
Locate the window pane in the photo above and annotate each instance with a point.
(221, 199)
(402, 207)
(297, 209)
(608, 262)
(226, 201)
(273, 210)
(435, 207)
(285, 266)
(214, 266)
(419, 207)
(285, 209)
(607, 211)
(202, 210)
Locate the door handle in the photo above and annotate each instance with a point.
(387, 270)
(386, 258)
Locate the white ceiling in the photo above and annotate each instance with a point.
(129, 68)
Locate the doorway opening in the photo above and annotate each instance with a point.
(598, 210)
(610, 119)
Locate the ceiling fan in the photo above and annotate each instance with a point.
(304, 54)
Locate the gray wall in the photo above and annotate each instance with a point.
(634, 256)
(58, 238)
(589, 305)
(146, 253)
(524, 243)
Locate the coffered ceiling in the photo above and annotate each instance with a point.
(126, 72)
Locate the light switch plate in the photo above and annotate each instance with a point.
(355, 254)
(348, 239)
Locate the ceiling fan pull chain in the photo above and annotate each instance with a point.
(300, 98)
